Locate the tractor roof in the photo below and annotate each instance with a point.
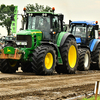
(41, 12)
(84, 22)
(50, 13)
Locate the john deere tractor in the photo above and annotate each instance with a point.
(41, 47)
(86, 34)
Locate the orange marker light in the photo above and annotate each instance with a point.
(53, 8)
(96, 22)
(24, 9)
(54, 32)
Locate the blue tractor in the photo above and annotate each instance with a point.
(86, 34)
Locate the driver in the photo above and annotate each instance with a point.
(45, 28)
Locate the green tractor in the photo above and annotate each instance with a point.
(42, 47)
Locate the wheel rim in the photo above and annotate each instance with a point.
(86, 60)
(72, 56)
(48, 60)
(12, 63)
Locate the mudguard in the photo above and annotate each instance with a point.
(50, 43)
(93, 44)
(62, 38)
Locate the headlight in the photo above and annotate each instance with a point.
(18, 43)
(21, 43)
(25, 43)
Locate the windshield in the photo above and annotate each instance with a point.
(78, 30)
(39, 22)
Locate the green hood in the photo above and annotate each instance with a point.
(28, 32)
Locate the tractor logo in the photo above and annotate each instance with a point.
(8, 50)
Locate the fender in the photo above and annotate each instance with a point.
(96, 44)
(93, 44)
(59, 61)
(50, 43)
(65, 37)
(62, 38)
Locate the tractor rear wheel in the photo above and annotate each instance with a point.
(9, 66)
(84, 59)
(95, 56)
(26, 67)
(69, 54)
(44, 60)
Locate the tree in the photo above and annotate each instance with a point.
(38, 8)
(5, 13)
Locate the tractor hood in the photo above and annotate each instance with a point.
(29, 32)
(29, 38)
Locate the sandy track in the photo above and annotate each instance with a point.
(28, 86)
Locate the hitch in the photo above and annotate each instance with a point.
(15, 56)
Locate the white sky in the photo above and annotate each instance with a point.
(72, 9)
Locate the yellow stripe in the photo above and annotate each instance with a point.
(35, 32)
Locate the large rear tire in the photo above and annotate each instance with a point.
(44, 60)
(9, 66)
(69, 54)
(84, 60)
(95, 56)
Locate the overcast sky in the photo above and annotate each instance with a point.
(72, 9)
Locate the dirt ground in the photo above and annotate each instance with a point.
(28, 86)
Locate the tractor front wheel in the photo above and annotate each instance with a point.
(84, 60)
(44, 60)
(9, 66)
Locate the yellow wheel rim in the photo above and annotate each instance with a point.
(72, 56)
(12, 63)
(48, 60)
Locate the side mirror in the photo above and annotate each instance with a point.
(70, 23)
(96, 27)
(65, 28)
(61, 17)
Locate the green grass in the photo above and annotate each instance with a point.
(92, 98)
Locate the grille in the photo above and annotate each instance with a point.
(27, 38)
(34, 40)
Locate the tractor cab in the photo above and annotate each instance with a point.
(49, 23)
(84, 31)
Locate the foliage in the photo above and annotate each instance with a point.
(38, 8)
(92, 98)
(5, 13)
